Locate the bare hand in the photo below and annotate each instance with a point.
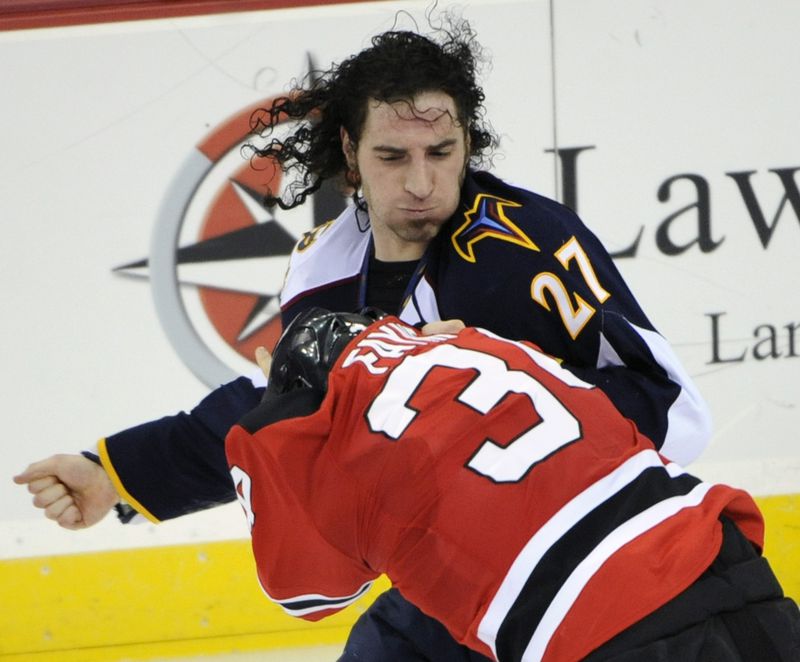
(71, 489)
(442, 326)
(264, 360)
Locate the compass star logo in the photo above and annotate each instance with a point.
(218, 255)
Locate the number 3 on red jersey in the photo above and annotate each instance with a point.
(243, 485)
(501, 464)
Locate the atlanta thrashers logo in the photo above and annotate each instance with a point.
(218, 255)
(487, 218)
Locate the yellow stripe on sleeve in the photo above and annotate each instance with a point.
(105, 460)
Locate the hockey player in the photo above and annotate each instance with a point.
(501, 494)
(430, 236)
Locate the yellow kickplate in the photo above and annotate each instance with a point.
(195, 599)
(782, 545)
(142, 603)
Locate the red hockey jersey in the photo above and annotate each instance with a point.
(501, 494)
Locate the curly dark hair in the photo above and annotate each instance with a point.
(397, 66)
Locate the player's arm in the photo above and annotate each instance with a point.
(297, 566)
(162, 469)
(639, 370)
(644, 378)
(611, 342)
(176, 465)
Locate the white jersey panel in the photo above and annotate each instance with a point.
(344, 248)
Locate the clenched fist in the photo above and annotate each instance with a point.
(71, 489)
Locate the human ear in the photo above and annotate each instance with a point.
(348, 148)
(347, 144)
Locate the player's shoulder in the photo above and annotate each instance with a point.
(482, 185)
(329, 253)
(495, 218)
(493, 207)
(342, 230)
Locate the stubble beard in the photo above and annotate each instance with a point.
(419, 230)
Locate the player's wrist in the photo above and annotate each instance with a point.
(94, 457)
(125, 512)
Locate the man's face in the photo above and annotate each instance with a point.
(411, 160)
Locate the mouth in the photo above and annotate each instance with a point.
(415, 211)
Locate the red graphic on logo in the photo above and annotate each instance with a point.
(230, 311)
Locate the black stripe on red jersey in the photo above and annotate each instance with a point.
(308, 604)
(650, 487)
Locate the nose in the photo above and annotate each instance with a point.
(419, 179)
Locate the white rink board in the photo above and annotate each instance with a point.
(696, 94)
(669, 100)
